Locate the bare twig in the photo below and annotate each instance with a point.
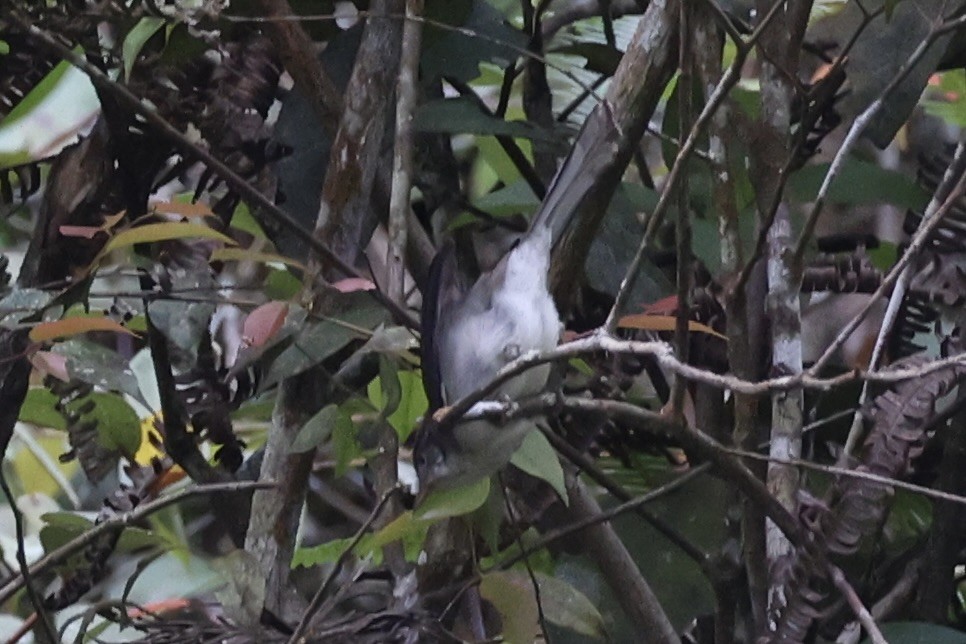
(855, 603)
(298, 636)
(956, 169)
(717, 97)
(915, 246)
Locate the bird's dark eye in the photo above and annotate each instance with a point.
(428, 456)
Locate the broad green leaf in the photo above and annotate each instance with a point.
(566, 606)
(463, 116)
(452, 502)
(61, 527)
(317, 340)
(135, 40)
(38, 409)
(35, 96)
(537, 457)
(859, 182)
(512, 594)
(118, 426)
(389, 385)
(164, 231)
(324, 553)
(97, 365)
(484, 35)
(134, 538)
(316, 430)
(509, 200)
(344, 443)
(68, 327)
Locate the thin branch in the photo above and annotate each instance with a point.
(956, 168)
(919, 240)
(556, 534)
(298, 637)
(26, 574)
(720, 93)
(860, 124)
(855, 603)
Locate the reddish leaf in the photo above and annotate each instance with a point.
(351, 284)
(664, 306)
(51, 363)
(263, 323)
(87, 232)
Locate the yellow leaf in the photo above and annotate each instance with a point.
(245, 255)
(75, 326)
(646, 322)
(163, 232)
(197, 209)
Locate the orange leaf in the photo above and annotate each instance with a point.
(646, 322)
(75, 326)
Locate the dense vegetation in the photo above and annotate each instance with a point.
(218, 224)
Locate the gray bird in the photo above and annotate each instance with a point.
(468, 335)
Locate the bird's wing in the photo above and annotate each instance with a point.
(443, 292)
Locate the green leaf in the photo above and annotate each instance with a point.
(920, 633)
(35, 96)
(316, 430)
(464, 116)
(511, 593)
(97, 365)
(483, 35)
(38, 408)
(135, 39)
(118, 426)
(165, 231)
(134, 538)
(452, 502)
(61, 527)
(389, 385)
(324, 553)
(344, 443)
(317, 340)
(566, 606)
(509, 200)
(859, 182)
(537, 457)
